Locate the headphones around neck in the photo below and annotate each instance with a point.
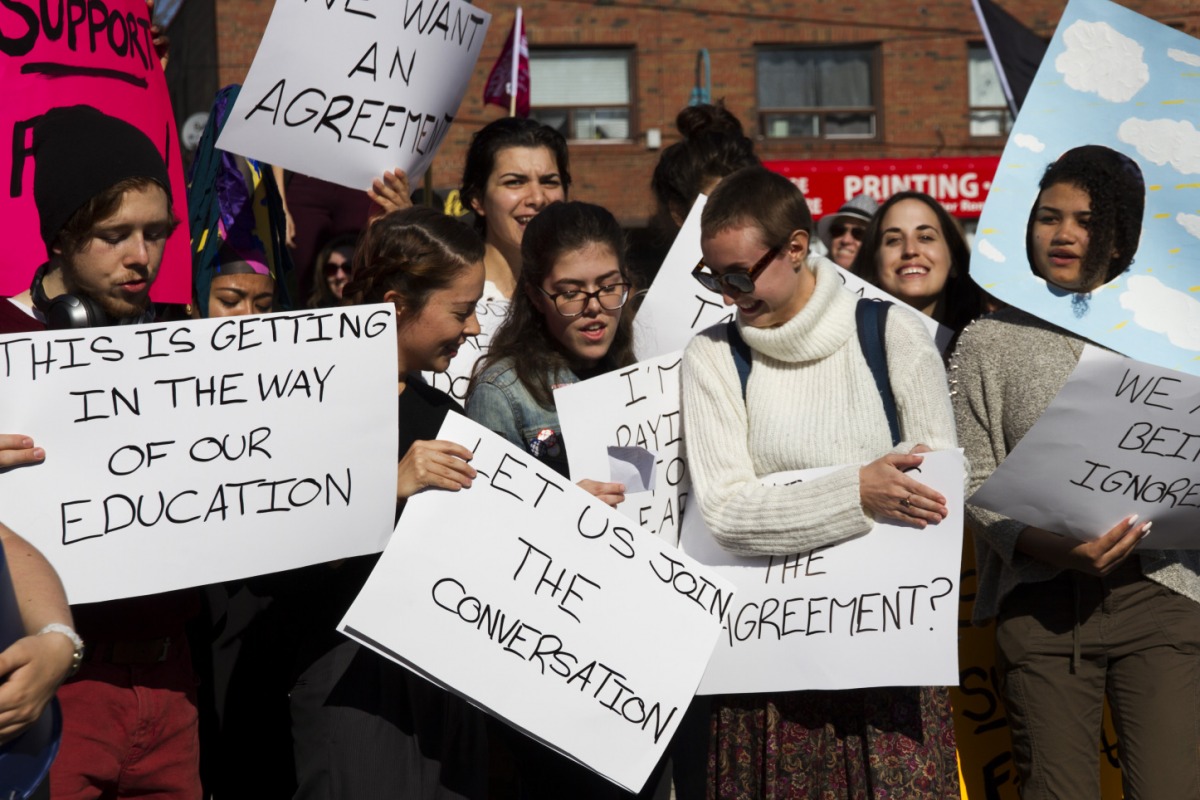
(75, 311)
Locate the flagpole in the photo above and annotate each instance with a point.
(516, 56)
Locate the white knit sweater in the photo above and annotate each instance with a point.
(810, 402)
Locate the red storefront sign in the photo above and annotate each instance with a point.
(960, 184)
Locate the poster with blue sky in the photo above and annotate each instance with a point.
(1114, 78)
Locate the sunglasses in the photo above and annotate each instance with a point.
(736, 280)
(839, 229)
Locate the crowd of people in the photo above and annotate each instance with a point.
(247, 690)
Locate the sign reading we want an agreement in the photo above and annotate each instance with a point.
(195, 452)
(345, 90)
(544, 606)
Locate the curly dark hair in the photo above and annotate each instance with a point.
(414, 252)
(523, 337)
(500, 135)
(712, 147)
(1117, 191)
(962, 297)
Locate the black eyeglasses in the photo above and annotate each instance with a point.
(839, 229)
(735, 281)
(574, 302)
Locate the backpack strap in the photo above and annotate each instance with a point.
(871, 316)
(741, 355)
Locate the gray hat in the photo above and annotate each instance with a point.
(860, 209)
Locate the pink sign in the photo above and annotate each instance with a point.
(80, 52)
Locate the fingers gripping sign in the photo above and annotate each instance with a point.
(434, 464)
(887, 491)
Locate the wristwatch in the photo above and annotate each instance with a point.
(76, 642)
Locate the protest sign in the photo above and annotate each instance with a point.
(545, 607)
(382, 94)
(82, 52)
(878, 610)
(189, 453)
(1122, 437)
(1115, 78)
(455, 380)
(633, 407)
(676, 307)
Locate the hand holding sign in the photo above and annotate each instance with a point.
(887, 491)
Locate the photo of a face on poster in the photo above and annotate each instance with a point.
(1109, 246)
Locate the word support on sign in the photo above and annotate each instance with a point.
(185, 454)
(878, 610)
(61, 53)
(1121, 438)
(559, 620)
(379, 103)
(636, 407)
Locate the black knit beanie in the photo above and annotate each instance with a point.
(79, 152)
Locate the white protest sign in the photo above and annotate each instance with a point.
(345, 91)
(542, 605)
(1121, 437)
(879, 610)
(188, 453)
(457, 378)
(676, 307)
(633, 407)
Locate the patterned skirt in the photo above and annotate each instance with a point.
(860, 744)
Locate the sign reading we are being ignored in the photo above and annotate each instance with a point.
(195, 452)
(382, 93)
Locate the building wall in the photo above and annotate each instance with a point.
(923, 81)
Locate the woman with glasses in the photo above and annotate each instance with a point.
(567, 323)
(810, 400)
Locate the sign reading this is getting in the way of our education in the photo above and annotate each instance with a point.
(877, 610)
(345, 91)
(1122, 437)
(80, 52)
(188, 453)
(544, 606)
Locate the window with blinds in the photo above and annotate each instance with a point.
(817, 93)
(585, 94)
(988, 113)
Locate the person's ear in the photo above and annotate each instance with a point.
(476, 205)
(797, 247)
(396, 299)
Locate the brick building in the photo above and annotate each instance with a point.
(814, 80)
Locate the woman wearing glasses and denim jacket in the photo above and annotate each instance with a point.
(810, 401)
(567, 323)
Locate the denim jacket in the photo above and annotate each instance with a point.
(501, 403)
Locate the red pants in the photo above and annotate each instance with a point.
(130, 730)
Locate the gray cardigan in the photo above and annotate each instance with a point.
(1006, 370)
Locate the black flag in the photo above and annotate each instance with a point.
(1016, 50)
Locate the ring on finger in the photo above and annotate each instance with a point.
(907, 502)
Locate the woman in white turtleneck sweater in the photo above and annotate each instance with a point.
(810, 401)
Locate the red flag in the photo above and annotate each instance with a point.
(511, 68)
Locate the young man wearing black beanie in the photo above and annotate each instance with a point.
(104, 206)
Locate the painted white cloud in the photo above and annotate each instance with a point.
(1164, 141)
(1184, 57)
(1102, 61)
(1161, 309)
(990, 251)
(1190, 223)
(1029, 142)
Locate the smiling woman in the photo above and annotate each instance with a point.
(915, 251)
